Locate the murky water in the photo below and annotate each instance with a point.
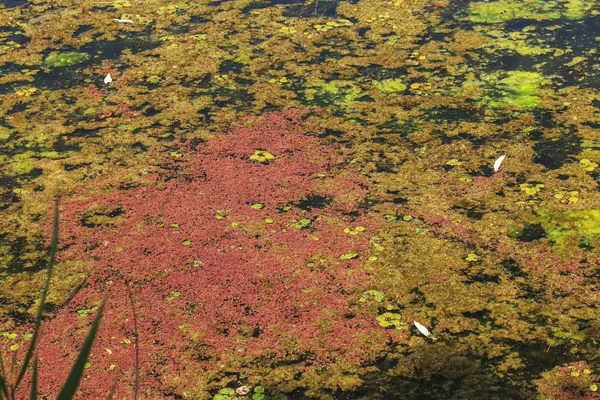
(292, 252)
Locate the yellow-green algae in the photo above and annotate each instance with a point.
(66, 59)
(506, 10)
(518, 88)
(573, 227)
(390, 86)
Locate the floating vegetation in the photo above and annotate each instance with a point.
(66, 59)
(494, 12)
(290, 186)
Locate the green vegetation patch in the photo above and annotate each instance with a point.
(507, 10)
(390, 86)
(66, 59)
(573, 228)
(518, 88)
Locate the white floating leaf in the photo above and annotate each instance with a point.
(498, 162)
(107, 79)
(123, 21)
(422, 329)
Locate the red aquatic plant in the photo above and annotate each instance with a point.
(233, 262)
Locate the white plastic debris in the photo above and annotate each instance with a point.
(107, 79)
(123, 21)
(498, 162)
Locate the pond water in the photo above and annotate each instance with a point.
(284, 188)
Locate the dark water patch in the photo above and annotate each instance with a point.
(65, 144)
(594, 125)
(554, 153)
(377, 72)
(17, 108)
(197, 19)
(482, 278)
(545, 118)
(385, 167)
(20, 246)
(540, 357)
(474, 141)
(452, 114)
(19, 39)
(229, 66)
(196, 143)
(397, 199)
(332, 133)
(82, 29)
(362, 32)
(6, 28)
(481, 315)
(513, 268)
(73, 167)
(511, 62)
(13, 3)
(474, 213)
(314, 201)
(113, 49)
(575, 36)
(401, 128)
(262, 4)
(532, 232)
(246, 81)
(151, 111)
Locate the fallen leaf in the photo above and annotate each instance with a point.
(424, 331)
(498, 162)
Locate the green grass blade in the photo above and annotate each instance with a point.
(3, 388)
(38, 320)
(34, 381)
(70, 386)
(3, 385)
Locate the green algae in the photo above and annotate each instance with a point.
(390, 86)
(518, 88)
(572, 228)
(66, 59)
(4, 133)
(22, 163)
(335, 92)
(506, 10)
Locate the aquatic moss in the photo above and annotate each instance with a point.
(66, 59)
